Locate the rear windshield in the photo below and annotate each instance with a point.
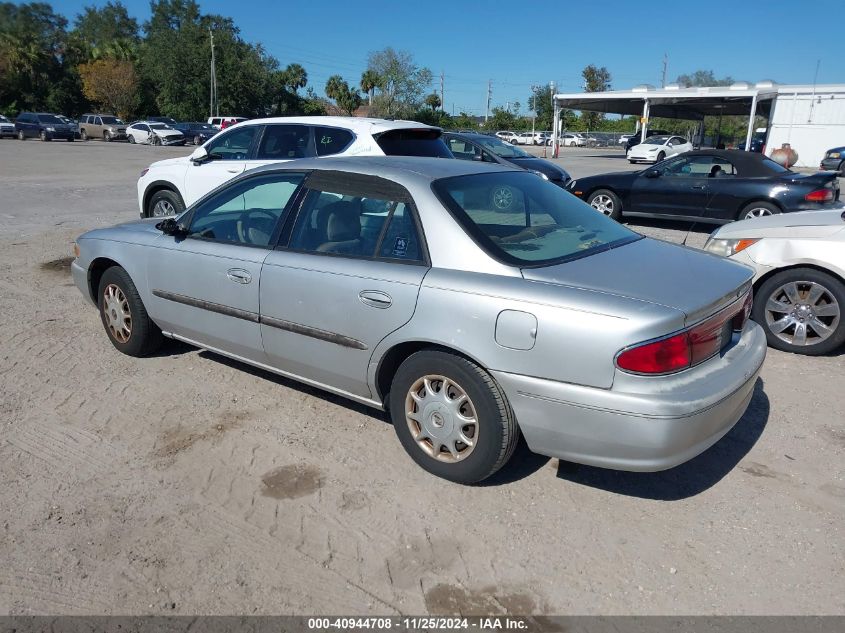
(413, 143)
(522, 219)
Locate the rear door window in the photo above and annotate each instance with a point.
(331, 140)
(284, 142)
(413, 143)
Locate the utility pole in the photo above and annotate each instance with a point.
(665, 66)
(442, 101)
(214, 107)
(489, 94)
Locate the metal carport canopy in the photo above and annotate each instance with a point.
(678, 103)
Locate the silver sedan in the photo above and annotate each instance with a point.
(473, 302)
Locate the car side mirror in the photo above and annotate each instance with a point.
(170, 226)
(199, 155)
(652, 173)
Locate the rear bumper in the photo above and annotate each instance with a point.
(651, 424)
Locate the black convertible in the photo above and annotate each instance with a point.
(716, 186)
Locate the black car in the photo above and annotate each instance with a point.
(162, 119)
(491, 149)
(636, 140)
(196, 132)
(44, 126)
(715, 186)
(834, 160)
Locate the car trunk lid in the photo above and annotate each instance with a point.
(696, 283)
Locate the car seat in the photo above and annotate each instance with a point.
(340, 222)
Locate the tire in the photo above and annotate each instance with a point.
(107, 136)
(842, 169)
(162, 202)
(121, 308)
(130, 139)
(828, 308)
(660, 157)
(631, 161)
(21, 135)
(494, 431)
(43, 136)
(758, 209)
(155, 141)
(606, 202)
(197, 140)
(83, 135)
(70, 140)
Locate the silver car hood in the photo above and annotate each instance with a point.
(812, 223)
(677, 277)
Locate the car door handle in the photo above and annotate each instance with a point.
(375, 298)
(239, 275)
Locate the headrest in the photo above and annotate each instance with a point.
(344, 221)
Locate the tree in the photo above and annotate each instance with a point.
(433, 101)
(401, 81)
(540, 102)
(334, 86)
(347, 99)
(703, 78)
(108, 31)
(595, 80)
(369, 82)
(112, 84)
(287, 83)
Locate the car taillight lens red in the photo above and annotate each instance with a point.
(661, 357)
(819, 195)
(687, 348)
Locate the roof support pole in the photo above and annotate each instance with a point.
(556, 129)
(645, 121)
(751, 122)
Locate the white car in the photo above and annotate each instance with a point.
(799, 275)
(508, 137)
(526, 138)
(218, 121)
(168, 186)
(7, 128)
(623, 140)
(153, 133)
(571, 139)
(656, 148)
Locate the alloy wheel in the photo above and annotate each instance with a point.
(163, 208)
(756, 212)
(602, 203)
(802, 313)
(117, 313)
(442, 418)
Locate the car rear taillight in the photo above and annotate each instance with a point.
(688, 348)
(819, 195)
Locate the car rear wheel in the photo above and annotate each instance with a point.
(124, 316)
(606, 202)
(43, 136)
(758, 210)
(197, 140)
(131, 139)
(107, 136)
(451, 417)
(83, 135)
(164, 203)
(800, 310)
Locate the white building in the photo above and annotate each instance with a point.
(810, 118)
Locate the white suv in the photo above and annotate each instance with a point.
(168, 186)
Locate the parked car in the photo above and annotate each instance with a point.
(73, 124)
(152, 133)
(716, 186)
(490, 149)
(799, 276)
(597, 344)
(623, 140)
(635, 139)
(105, 126)
(656, 148)
(571, 139)
(222, 122)
(834, 160)
(509, 137)
(167, 186)
(526, 138)
(42, 125)
(7, 128)
(758, 142)
(196, 132)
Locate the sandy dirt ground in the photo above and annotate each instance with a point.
(186, 483)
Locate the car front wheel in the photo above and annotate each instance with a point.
(21, 135)
(606, 202)
(124, 316)
(451, 417)
(164, 203)
(800, 310)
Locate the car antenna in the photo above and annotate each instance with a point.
(689, 230)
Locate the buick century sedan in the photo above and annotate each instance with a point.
(401, 284)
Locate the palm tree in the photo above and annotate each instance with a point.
(433, 101)
(295, 77)
(369, 81)
(335, 87)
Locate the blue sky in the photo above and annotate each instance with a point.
(517, 44)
